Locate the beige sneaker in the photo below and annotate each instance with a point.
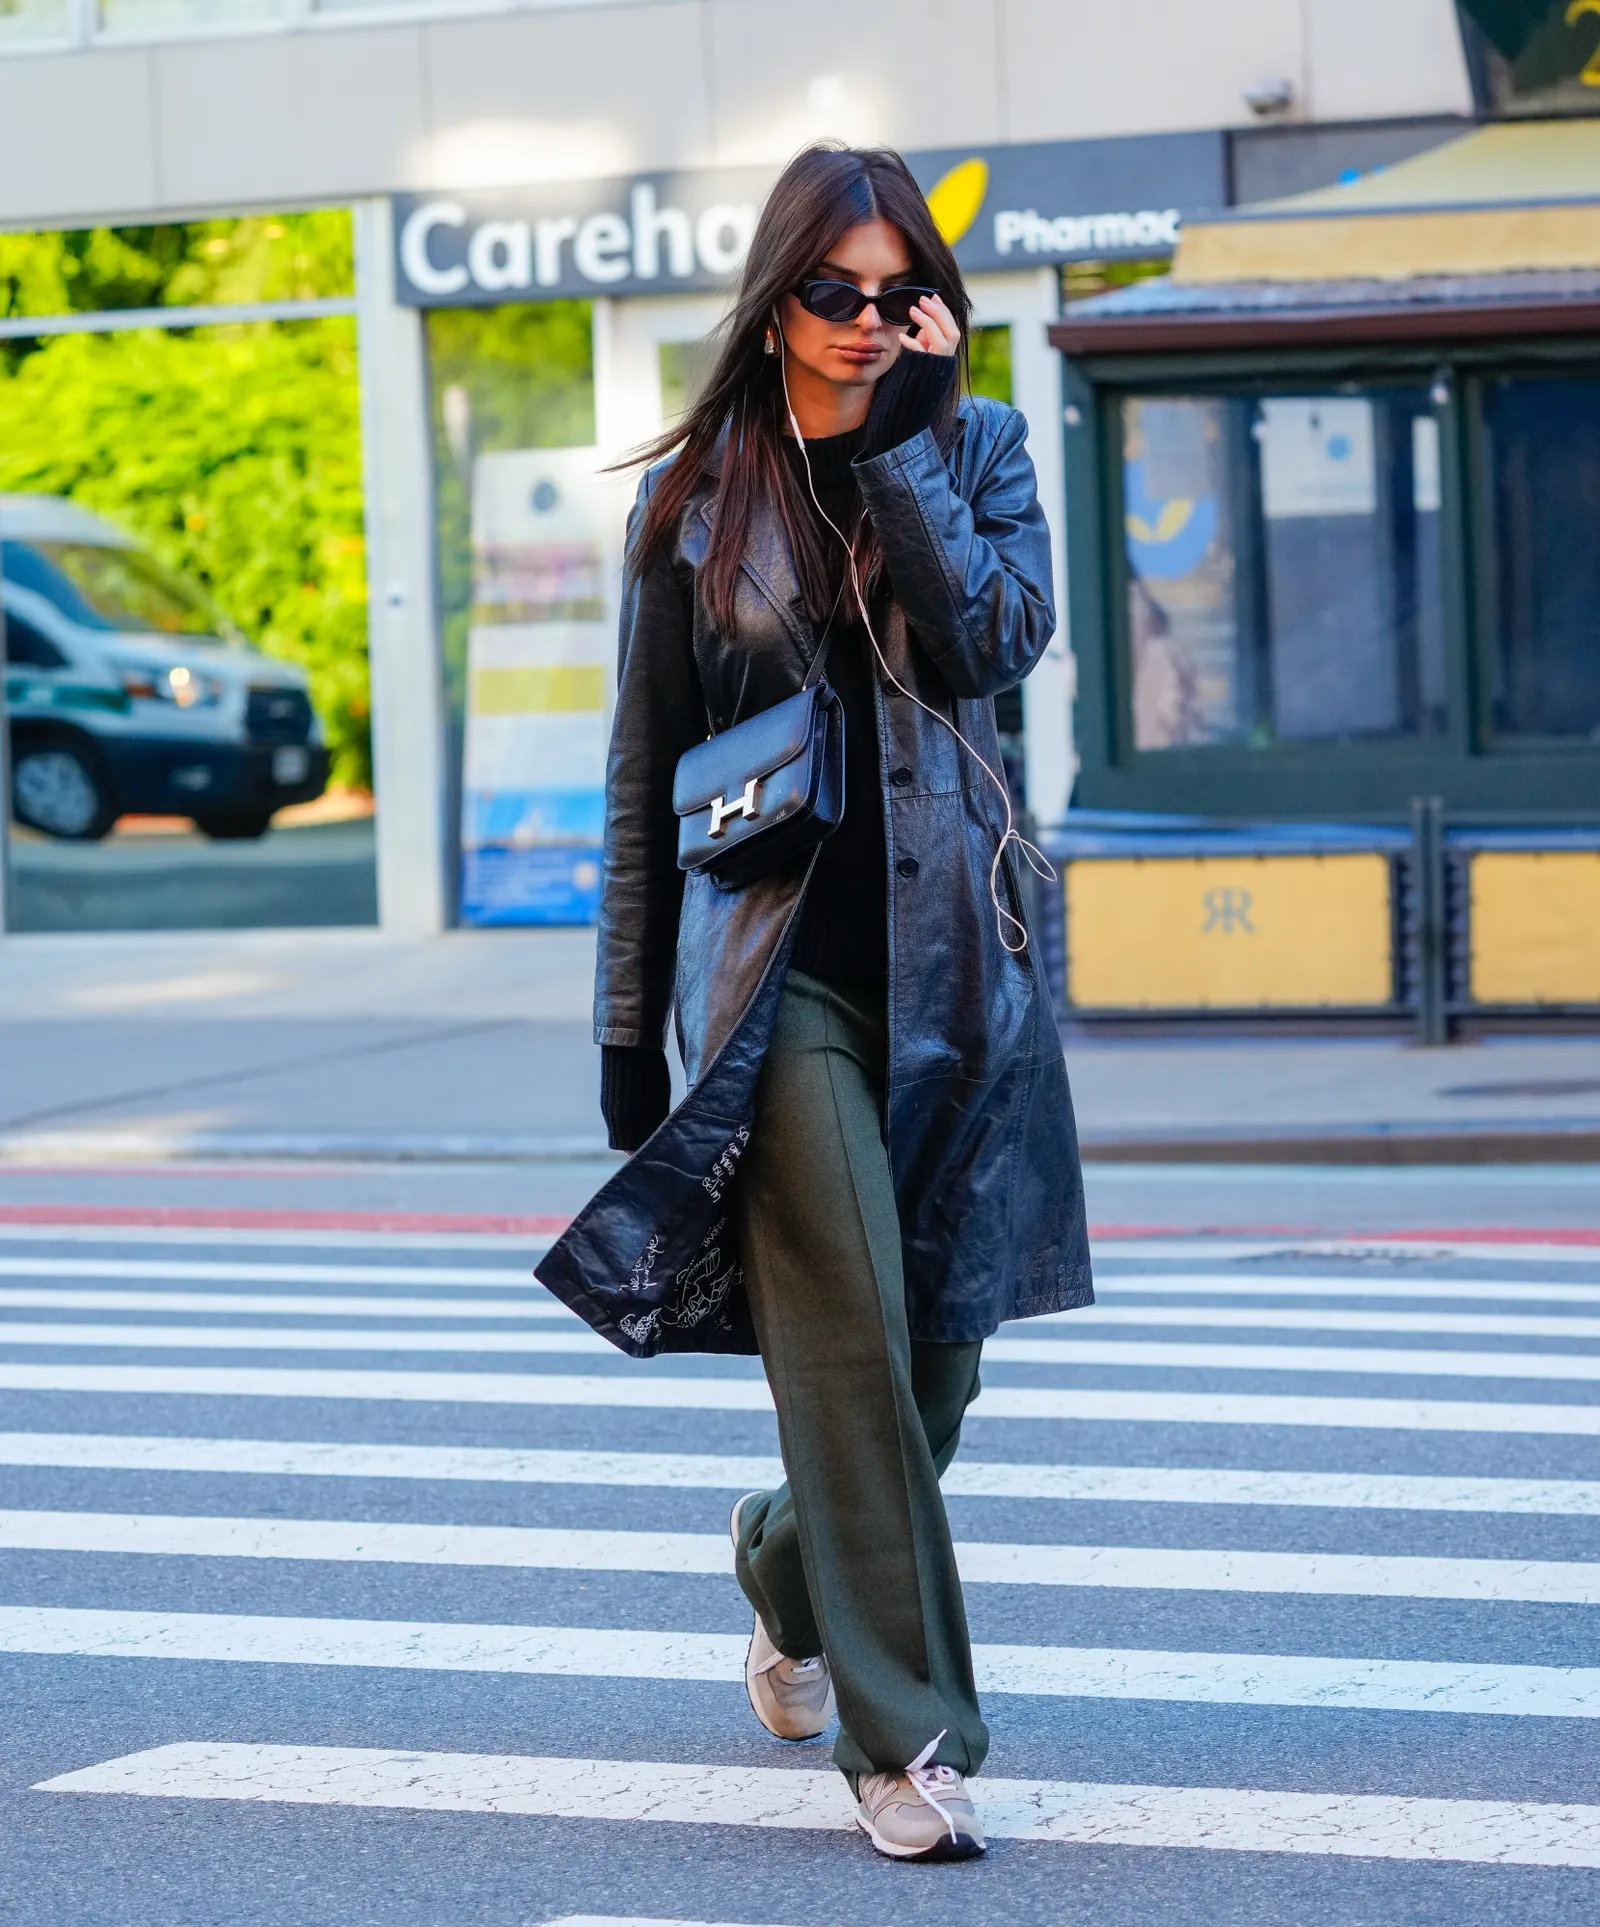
(925, 1813)
(792, 1698)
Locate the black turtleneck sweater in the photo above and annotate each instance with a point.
(843, 935)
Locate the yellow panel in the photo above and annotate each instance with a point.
(535, 690)
(1228, 932)
(1536, 927)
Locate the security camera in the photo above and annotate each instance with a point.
(1265, 97)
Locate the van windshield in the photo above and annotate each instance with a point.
(106, 588)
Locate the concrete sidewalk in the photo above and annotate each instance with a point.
(475, 1046)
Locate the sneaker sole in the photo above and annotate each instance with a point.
(963, 1847)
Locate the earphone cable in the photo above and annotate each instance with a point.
(1037, 861)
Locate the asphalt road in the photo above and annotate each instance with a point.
(307, 876)
(342, 1582)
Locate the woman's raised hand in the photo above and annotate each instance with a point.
(937, 333)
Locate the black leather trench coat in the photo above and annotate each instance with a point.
(979, 1122)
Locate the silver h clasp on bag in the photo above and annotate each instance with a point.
(722, 809)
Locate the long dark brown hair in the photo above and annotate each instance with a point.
(825, 190)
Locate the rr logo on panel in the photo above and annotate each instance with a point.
(1227, 910)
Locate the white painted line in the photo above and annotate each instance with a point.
(1229, 1819)
(684, 1471)
(1225, 1284)
(1356, 1360)
(235, 1271)
(1164, 1569)
(1053, 1672)
(1365, 1251)
(1295, 1318)
(647, 1392)
(1203, 1485)
(294, 1458)
(529, 1246)
(294, 1304)
(250, 1338)
(1141, 1354)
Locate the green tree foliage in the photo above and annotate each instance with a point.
(233, 452)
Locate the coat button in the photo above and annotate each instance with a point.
(900, 777)
(908, 866)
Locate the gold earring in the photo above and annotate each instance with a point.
(770, 345)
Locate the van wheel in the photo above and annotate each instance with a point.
(57, 788)
(233, 826)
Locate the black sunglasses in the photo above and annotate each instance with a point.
(843, 301)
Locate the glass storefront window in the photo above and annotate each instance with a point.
(685, 367)
(23, 21)
(1283, 568)
(1543, 447)
(183, 583)
(989, 361)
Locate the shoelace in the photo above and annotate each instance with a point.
(803, 1668)
(928, 1782)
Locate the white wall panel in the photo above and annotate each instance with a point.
(1373, 57)
(76, 136)
(566, 96)
(913, 73)
(291, 117)
(1075, 68)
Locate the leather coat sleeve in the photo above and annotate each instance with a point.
(973, 575)
(660, 713)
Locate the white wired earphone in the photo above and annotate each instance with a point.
(1038, 862)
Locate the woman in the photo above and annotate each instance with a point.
(876, 1161)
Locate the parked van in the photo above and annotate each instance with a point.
(127, 692)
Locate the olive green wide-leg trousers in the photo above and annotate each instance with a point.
(851, 1557)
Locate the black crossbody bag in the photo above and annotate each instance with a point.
(765, 791)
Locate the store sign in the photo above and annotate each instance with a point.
(654, 234)
(1000, 207)
(1049, 201)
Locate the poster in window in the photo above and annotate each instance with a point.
(546, 549)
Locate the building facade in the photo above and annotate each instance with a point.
(548, 203)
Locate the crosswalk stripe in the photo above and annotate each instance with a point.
(1406, 1248)
(1108, 1311)
(645, 1391)
(1219, 1679)
(1143, 1354)
(1229, 1819)
(1295, 1318)
(240, 1271)
(298, 1305)
(255, 1338)
(512, 1310)
(265, 1237)
(1165, 1569)
(1113, 1283)
(967, 1478)
(1121, 1284)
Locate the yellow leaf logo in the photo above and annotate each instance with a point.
(955, 198)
